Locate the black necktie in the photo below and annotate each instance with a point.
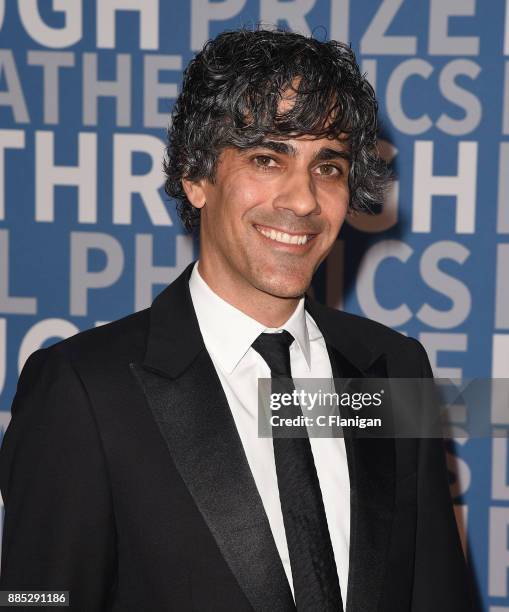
(314, 573)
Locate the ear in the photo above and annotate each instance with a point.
(194, 192)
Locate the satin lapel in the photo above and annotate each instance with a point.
(371, 464)
(194, 418)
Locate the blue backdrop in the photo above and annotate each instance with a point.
(87, 236)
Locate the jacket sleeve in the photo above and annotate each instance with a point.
(59, 530)
(441, 579)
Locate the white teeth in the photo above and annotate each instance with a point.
(283, 236)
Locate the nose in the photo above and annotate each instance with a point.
(298, 194)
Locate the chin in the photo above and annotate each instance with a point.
(284, 286)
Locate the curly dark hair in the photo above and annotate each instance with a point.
(230, 96)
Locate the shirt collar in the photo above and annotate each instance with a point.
(228, 332)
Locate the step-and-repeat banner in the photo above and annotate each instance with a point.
(87, 235)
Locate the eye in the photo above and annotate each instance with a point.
(329, 170)
(264, 161)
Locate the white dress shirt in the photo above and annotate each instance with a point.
(228, 334)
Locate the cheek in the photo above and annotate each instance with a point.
(244, 197)
(335, 212)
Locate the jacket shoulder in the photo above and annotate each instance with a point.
(377, 331)
(364, 329)
(121, 340)
(362, 336)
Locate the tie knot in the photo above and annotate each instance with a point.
(275, 350)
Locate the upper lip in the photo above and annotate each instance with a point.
(284, 231)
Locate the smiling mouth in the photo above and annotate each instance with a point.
(284, 237)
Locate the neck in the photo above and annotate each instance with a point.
(267, 309)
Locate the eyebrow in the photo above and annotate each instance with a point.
(323, 154)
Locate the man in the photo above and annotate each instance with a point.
(132, 472)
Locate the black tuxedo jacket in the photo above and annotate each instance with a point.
(125, 481)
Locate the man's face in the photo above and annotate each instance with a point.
(272, 214)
